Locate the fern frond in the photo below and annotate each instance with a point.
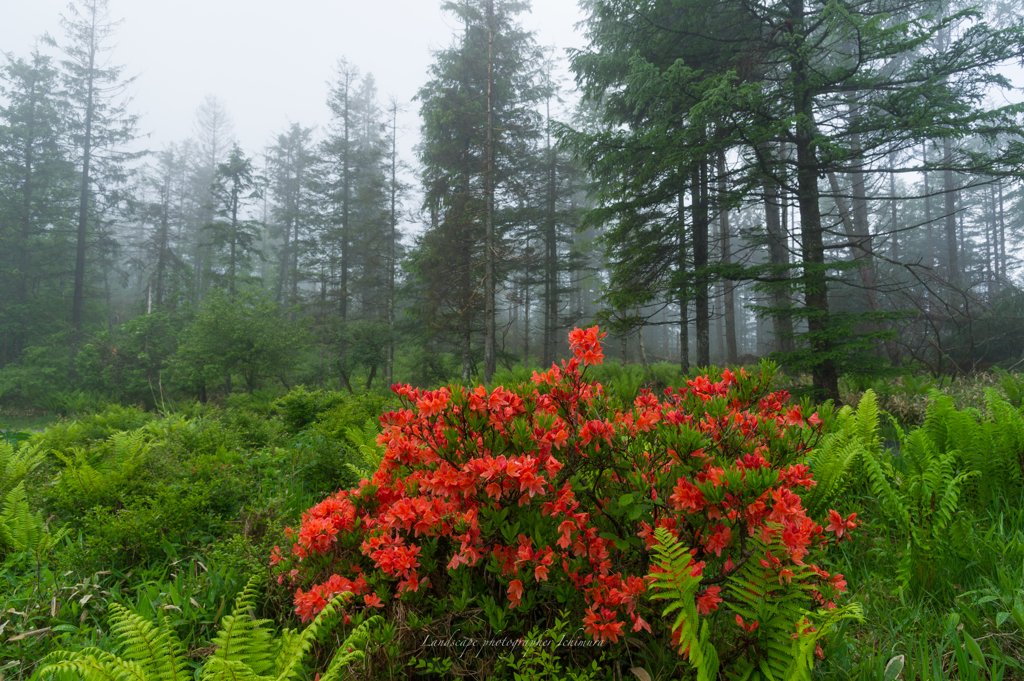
(831, 464)
(92, 664)
(675, 583)
(365, 443)
(156, 648)
(219, 669)
(242, 638)
(867, 420)
(20, 529)
(351, 649)
(882, 488)
(292, 655)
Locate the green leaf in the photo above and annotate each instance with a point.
(1018, 615)
(975, 650)
(894, 667)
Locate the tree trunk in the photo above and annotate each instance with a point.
(778, 257)
(860, 241)
(551, 255)
(815, 283)
(489, 274)
(78, 296)
(234, 239)
(389, 370)
(684, 303)
(699, 191)
(949, 192)
(929, 234)
(728, 301)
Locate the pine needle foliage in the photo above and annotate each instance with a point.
(245, 648)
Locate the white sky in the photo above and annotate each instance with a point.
(269, 62)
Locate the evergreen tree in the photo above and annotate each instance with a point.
(36, 192)
(100, 123)
(234, 237)
(480, 127)
(291, 169)
(779, 91)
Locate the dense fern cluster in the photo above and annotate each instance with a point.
(246, 649)
(781, 636)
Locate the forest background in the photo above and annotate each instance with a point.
(835, 186)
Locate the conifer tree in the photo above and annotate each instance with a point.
(479, 126)
(100, 122)
(36, 190)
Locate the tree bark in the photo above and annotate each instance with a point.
(815, 283)
(78, 295)
(729, 302)
(949, 192)
(489, 274)
(684, 303)
(699, 192)
(778, 255)
(551, 254)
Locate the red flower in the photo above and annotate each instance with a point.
(515, 592)
(456, 455)
(794, 417)
(708, 600)
(839, 526)
(749, 628)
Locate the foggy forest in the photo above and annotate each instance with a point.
(796, 225)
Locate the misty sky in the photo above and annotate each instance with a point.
(269, 61)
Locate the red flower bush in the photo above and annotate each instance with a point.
(548, 493)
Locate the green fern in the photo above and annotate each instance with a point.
(15, 464)
(674, 582)
(21, 530)
(785, 642)
(867, 421)
(922, 497)
(365, 443)
(19, 527)
(785, 648)
(245, 648)
(840, 454)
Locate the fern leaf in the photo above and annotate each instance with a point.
(141, 641)
(93, 664)
(867, 420)
(351, 649)
(290, 662)
(22, 528)
(674, 582)
(219, 669)
(242, 638)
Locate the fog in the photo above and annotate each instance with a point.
(269, 62)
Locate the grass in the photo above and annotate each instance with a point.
(12, 418)
(936, 628)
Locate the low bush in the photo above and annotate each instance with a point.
(493, 510)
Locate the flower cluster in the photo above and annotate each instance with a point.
(558, 490)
